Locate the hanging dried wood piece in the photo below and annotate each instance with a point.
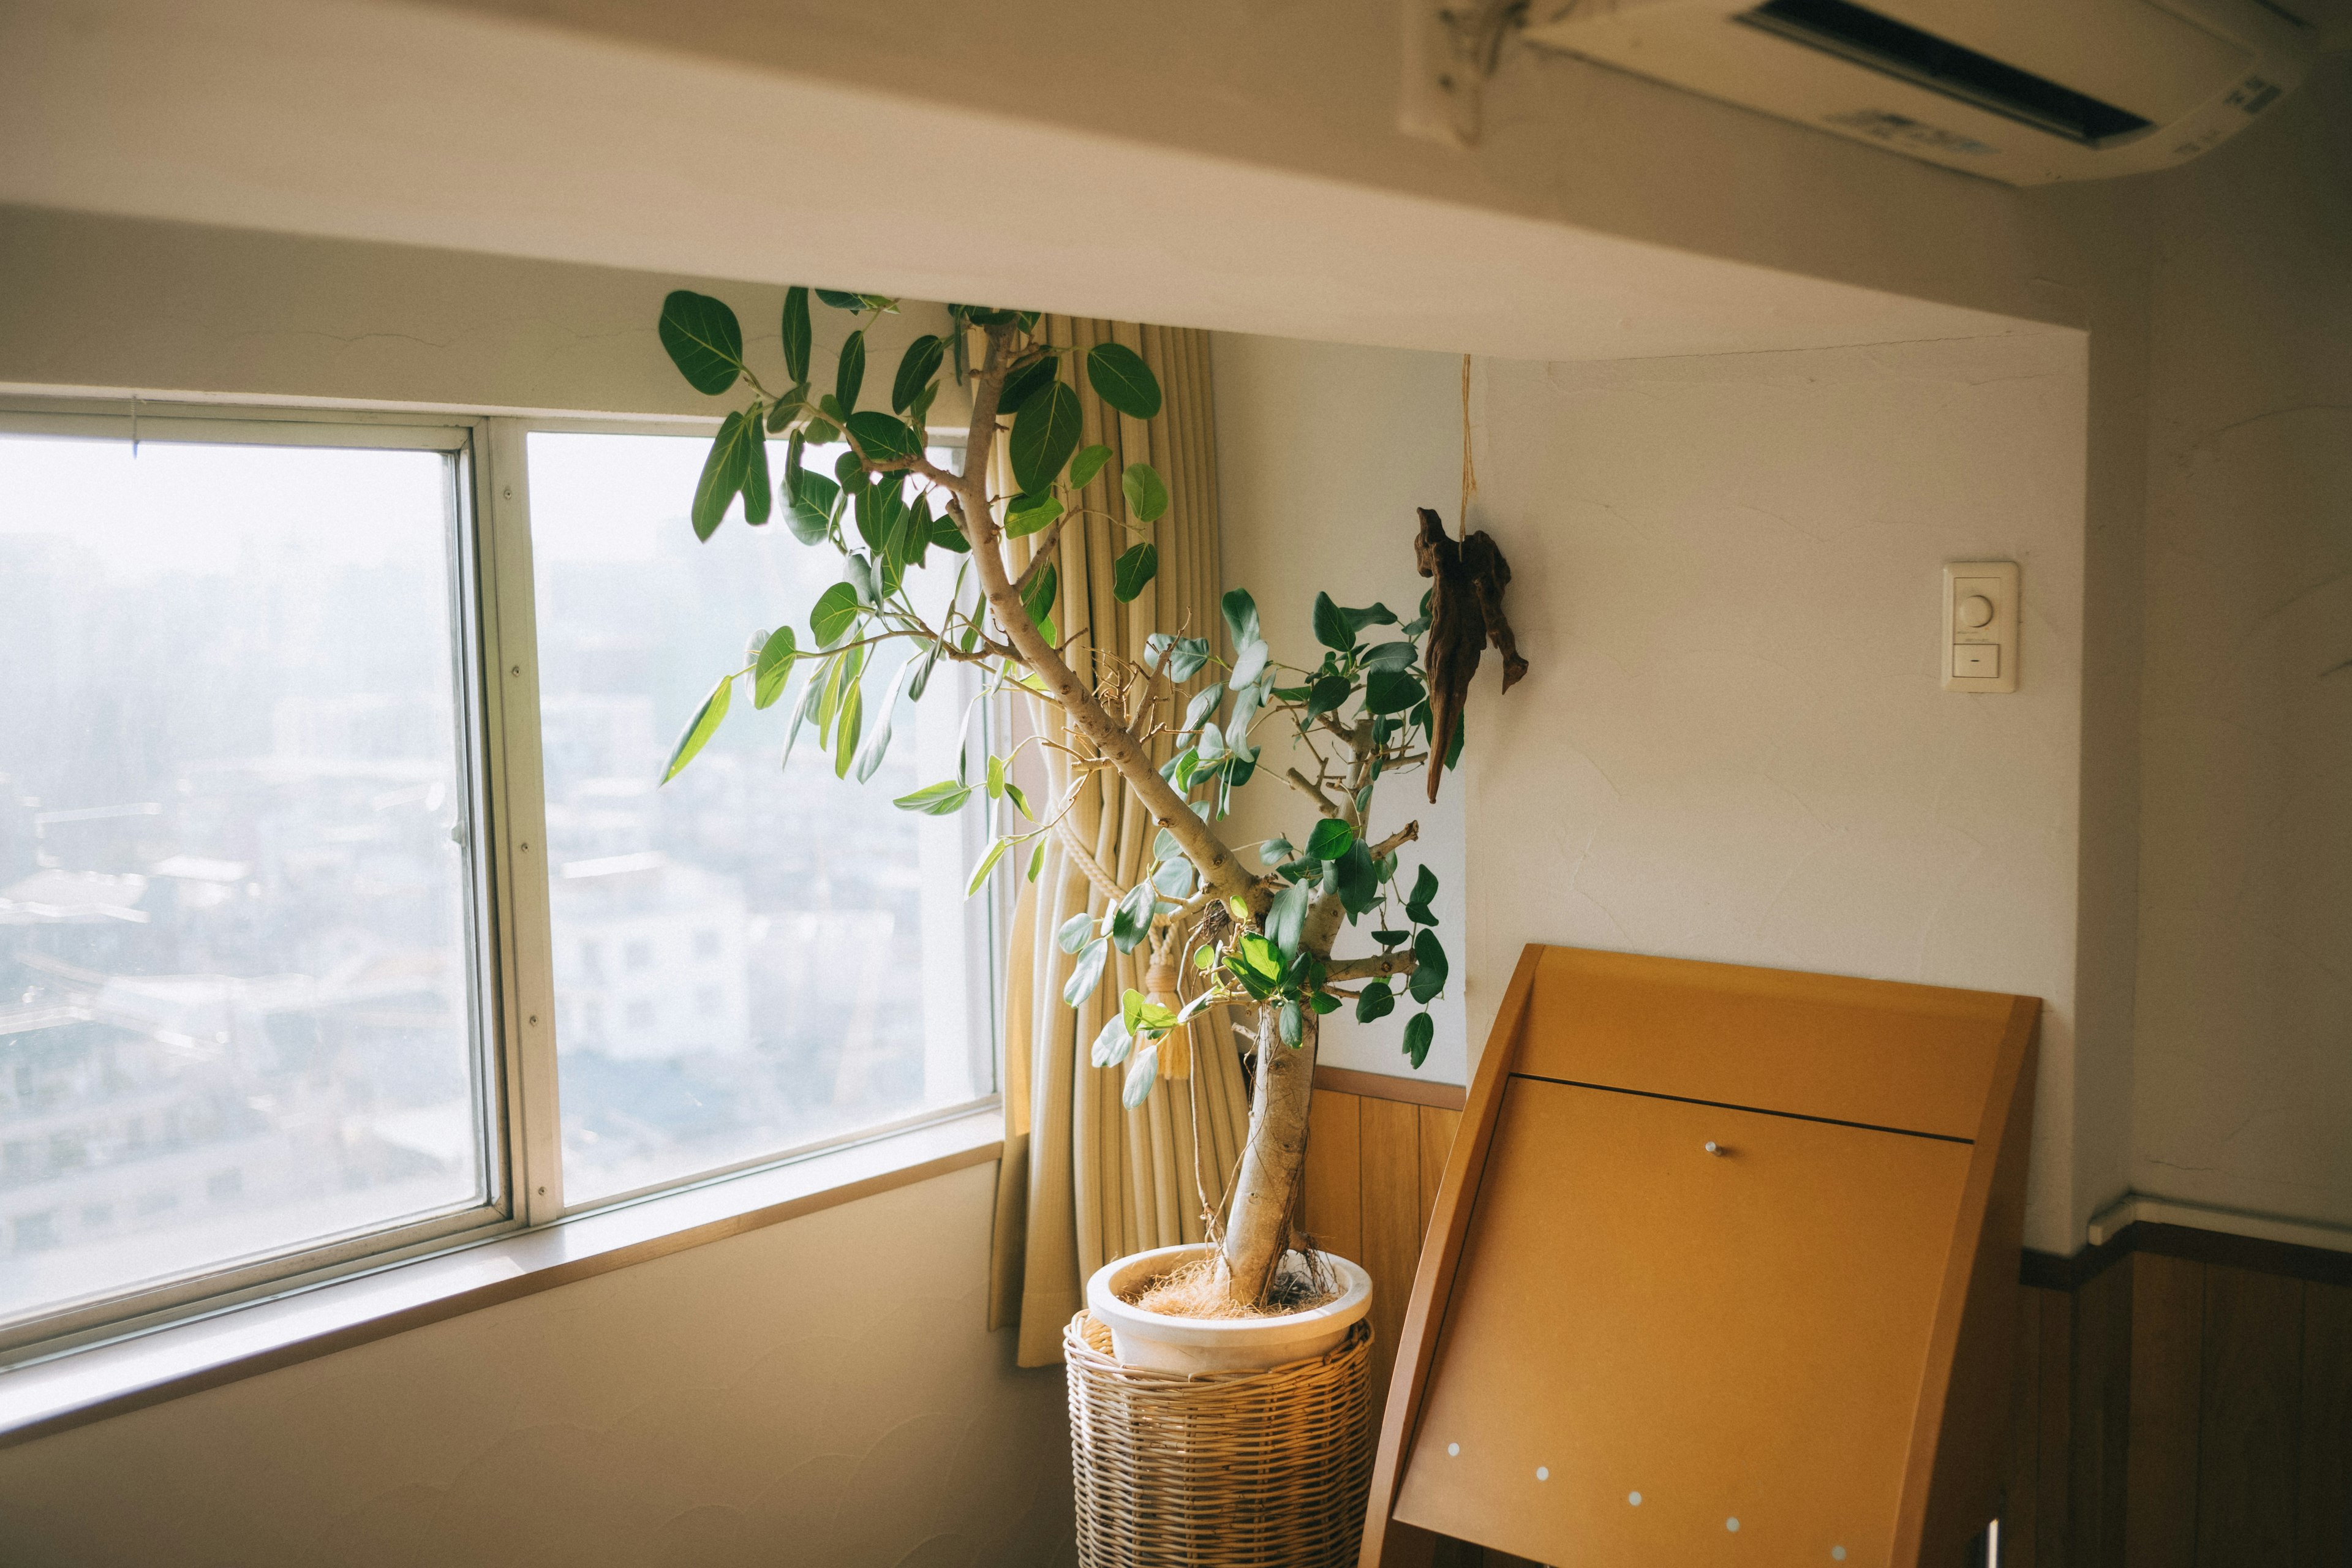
(1466, 612)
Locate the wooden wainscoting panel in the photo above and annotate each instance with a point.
(2102, 1420)
(2021, 1481)
(1437, 1129)
(2324, 1488)
(1392, 1221)
(2053, 1402)
(2167, 1355)
(2250, 1419)
(1332, 1209)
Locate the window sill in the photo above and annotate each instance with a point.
(125, 1374)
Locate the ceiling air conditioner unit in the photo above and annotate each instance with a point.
(2026, 91)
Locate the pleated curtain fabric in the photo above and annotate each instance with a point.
(1084, 1180)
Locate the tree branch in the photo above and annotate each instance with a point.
(1306, 787)
(1394, 841)
(1401, 961)
(1202, 845)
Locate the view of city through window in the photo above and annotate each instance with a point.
(747, 959)
(235, 972)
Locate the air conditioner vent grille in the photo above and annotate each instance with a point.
(1865, 36)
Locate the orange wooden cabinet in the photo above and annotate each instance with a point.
(1723, 1270)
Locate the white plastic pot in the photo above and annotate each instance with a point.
(1157, 1343)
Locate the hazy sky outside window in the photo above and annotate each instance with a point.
(235, 963)
(747, 960)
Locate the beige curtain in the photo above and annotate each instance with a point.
(1084, 1180)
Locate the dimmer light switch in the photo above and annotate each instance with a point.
(1980, 616)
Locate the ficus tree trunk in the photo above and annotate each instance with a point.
(1257, 1228)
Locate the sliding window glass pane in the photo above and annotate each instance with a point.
(234, 950)
(747, 960)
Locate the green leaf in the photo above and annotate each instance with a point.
(987, 864)
(723, 471)
(1323, 1002)
(1072, 933)
(773, 668)
(1134, 571)
(849, 722)
(849, 374)
(704, 340)
(1391, 938)
(1173, 879)
(1241, 619)
(1142, 1072)
(1131, 923)
(1429, 966)
(1112, 1043)
(1391, 656)
(1293, 1024)
(810, 516)
(796, 334)
(1087, 975)
(759, 495)
(884, 440)
(942, 799)
(1274, 851)
(1146, 492)
(1204, 703)
(1249, 663)
(1142, 1015)
(1087, 465)
(704, 725)
(1286, 918)
(1376, 1003)
(1330, 839)
(1045, 434)
(1331, 625)
(841, 299)
(1022, 386)
(1391, 691)
(1019, 802)
(916, 368)
(1026, 515)
(1416, 904)
(1121, 379)
(877, 741)
(1417, 1031)
(1183, 656)
(1039, 600)
(1360, 886)
(1327, 695)
(835, 611)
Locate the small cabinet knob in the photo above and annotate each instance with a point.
(1716, 1149)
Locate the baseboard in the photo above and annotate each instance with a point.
(2297, 1250)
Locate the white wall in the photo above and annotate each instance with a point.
(1732, 744)
(823, 1392)
(2244, 1060)
(1323, 453)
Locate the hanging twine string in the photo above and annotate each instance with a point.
(1469, 468)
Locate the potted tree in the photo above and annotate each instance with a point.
(1260, 929)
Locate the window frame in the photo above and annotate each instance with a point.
(493, 604)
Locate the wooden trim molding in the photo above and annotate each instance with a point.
(1385, 1086)
(2194, 1244)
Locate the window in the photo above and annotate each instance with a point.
(781, 929)
(283, 748)
(236, 933)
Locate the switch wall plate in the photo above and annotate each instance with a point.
(1980, 621)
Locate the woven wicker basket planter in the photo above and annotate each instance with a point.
(1219, 1470)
